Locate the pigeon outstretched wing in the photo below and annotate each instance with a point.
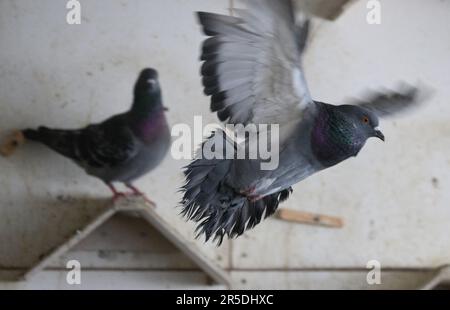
(252, 64)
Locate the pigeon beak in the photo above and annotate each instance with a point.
(165, 108)
(379, 134)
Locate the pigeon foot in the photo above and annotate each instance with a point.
(137, 192)
(116, 194)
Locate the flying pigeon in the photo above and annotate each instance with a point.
(252, 71)
(121, 148)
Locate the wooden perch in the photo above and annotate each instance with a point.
(15, 140)
(309, 218)
(135, 206)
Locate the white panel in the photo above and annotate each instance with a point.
(328, 280)
(265, 280)
(126, 242)
(393, 197)
(117, 280)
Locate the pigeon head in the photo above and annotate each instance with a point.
(364, 121)
(147, 83)
(341, 131)
(147, 93)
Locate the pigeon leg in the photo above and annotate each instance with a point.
(116, 194)
(137, 192)
(249, 193)
(255, 198)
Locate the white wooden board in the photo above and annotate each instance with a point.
(126, 242)
(117, 280)
(329, 280)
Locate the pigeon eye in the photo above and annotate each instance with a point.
(365, 120)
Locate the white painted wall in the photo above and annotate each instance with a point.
(393, 197)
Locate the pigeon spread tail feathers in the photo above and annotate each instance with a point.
(62, 141)
(210, 200)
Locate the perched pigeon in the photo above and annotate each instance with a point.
(121, 148)
(252, 71)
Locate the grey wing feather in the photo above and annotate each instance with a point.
(387, 103)
(108, 144)
(252, 64)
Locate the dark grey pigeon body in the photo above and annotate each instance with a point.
(123, 147)
(252, 71)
